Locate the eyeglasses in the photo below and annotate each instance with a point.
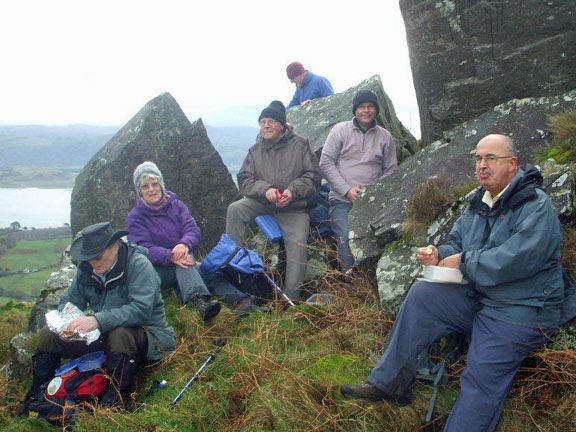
(268, 122)
(152, 185)
(490, 159)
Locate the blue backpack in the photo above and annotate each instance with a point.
(226, 253)
(241, 267)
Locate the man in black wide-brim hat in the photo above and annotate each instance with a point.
(122, 289)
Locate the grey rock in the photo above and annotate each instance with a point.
(398, 269)
(315, 120)
(468, 56)
(378, 213)
(191, 167)
(49, 297)
(19, 366)
(559, 184)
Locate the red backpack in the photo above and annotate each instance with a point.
(80, 380)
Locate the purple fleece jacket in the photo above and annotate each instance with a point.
(161, 230)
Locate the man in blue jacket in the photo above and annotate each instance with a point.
(308, 85)
(507, 245)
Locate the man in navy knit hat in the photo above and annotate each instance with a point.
(279, 173)
(357, 153)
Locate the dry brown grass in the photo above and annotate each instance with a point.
(426, 203)
(563, 126)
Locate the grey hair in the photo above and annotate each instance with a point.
(509, 143)
(144, 178)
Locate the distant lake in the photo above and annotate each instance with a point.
(33, 207)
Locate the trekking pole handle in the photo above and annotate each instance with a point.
(290, 302)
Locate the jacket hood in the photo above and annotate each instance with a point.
(522, 188)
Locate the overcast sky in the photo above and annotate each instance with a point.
(99, 62)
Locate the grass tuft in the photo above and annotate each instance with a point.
(426, 203)
(562, 147)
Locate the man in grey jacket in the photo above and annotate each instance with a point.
(278, 174)
(123, 291)
(356, 154)
(507, 245)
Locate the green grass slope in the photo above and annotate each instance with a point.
(281, 371)
(31, 254)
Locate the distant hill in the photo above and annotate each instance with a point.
(74, 145)
(232, 143)
(56, 146)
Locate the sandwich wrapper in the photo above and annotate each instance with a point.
(57, 321)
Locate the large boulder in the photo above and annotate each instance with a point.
(397, 268)
(469, 56)
(376, 216)
(315, 120)
(191, 167)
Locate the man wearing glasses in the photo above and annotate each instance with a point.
(507, 245)
(278, 174)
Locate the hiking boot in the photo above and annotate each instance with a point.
(121, 370)
(369, 392)
(247, 305)
(44, 364)
(206, 308)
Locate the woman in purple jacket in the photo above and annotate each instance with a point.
(162, 223)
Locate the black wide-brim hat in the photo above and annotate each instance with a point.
(92, 240)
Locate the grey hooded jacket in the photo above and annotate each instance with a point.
(130, 297)
(511, 255)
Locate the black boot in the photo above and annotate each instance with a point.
(121, 370)
(43, 366)
(206, 308)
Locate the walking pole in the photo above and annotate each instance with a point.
(219, 343)
(271, 281)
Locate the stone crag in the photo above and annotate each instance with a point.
(315, 120)
(191, 167)
(468, 56)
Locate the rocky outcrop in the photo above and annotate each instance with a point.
(191, 167)
(49, 297)
(315, 120)
(376, 216)
(397, 268)
(21, 349)
(468, 56)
